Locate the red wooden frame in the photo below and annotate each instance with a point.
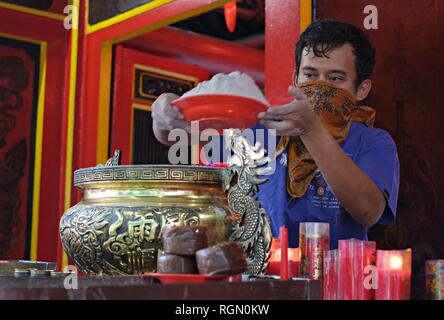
(213, 54)
(51, 31)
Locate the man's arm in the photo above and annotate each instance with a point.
(356, 192)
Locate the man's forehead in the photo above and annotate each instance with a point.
(341, 56)
(346, 47)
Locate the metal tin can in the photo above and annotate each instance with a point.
(434, 271)
(40, 273)
(21, 273)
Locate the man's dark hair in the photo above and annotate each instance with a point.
(322, 36)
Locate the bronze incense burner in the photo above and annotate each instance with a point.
(117, 227)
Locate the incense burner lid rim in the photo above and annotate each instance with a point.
(149, 172)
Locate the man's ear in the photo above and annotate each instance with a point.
(295, 78)
(363, 89)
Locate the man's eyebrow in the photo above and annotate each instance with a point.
(339, 71)
(308, 68)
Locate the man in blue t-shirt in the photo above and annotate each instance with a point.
(333, 166)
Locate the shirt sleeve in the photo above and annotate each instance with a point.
(379, 160)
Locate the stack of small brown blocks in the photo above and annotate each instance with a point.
(186, 251)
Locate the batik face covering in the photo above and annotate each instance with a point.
(337, 109)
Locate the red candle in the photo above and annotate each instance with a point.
(283, 237)
(364, 264)
(294, 261)
(354, 258)
(394, 274)
(330, 281)
(314, 240)
(235, 278)
(274, 263)
(274, 268)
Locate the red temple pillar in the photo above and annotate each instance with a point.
(285, 20)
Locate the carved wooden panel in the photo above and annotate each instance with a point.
(149, 84)
(19, 69)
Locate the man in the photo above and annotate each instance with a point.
(333, 165)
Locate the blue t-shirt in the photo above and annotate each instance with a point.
(373, 150)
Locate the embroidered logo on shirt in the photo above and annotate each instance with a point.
(321, 196)
(320, 191)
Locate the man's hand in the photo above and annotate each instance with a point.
(356, 192)
(166, 117)
(294, 119)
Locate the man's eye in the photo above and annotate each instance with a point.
(309, 75)
(335, 79)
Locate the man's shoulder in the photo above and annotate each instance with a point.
(370, 136)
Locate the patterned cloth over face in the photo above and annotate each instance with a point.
(337, 109)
